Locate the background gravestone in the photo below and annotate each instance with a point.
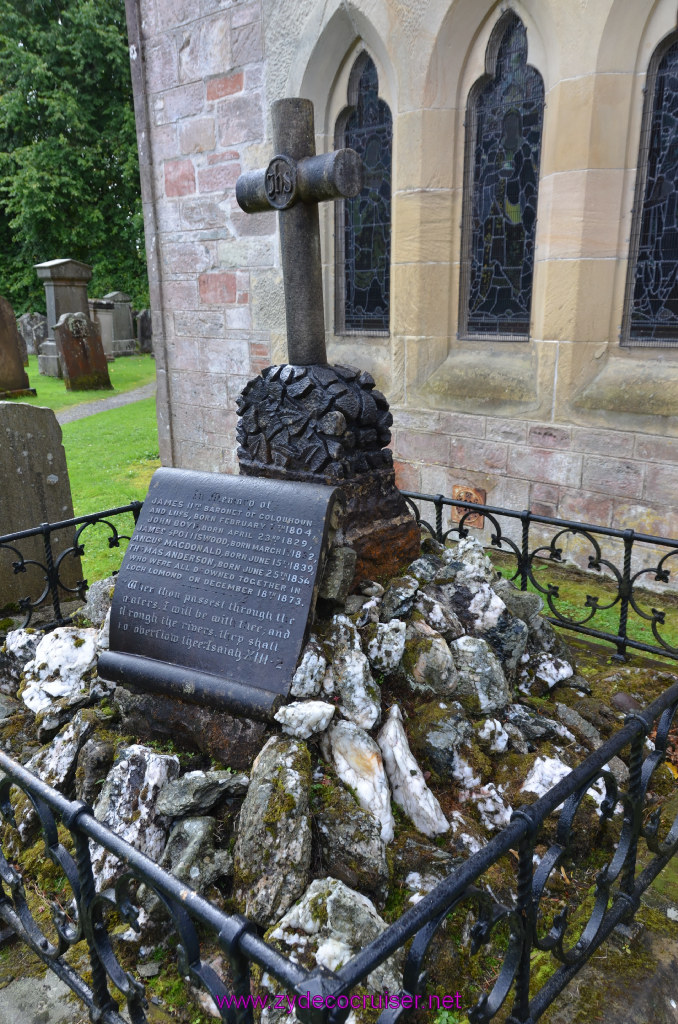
(145, 331)
(65, 292)
(13, 378)
(124, 343)
(35, 489)
(33, 329)
(101, 312)
(81, 353)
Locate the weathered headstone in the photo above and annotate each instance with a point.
(35, 489)
(145, 331)
(217, 588)
(124, 343)
(33, 329)
(307, 420)
(101, 312)
(65, 292)
(81, 353)
(14, 380)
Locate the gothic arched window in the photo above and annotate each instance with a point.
(651, 308)
(503, 147)
(363, 224)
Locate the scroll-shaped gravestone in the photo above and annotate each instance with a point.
(218, 586)
(82, 355)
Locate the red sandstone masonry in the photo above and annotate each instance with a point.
(603, 442)
(246, 43)
(546, 465)
(217, 88)
(458, 423)
(549, 436)
(586, 507)
(198, 135)
(406, 476)
(613, 476)
(661, 484)
(657, 449)
(422, 447)
(241, 119)
(188, 257)
(219, 178)
(184, 101)
(217, 288)
(478, 456)
(179, 177)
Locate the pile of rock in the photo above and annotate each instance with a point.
(416, 724)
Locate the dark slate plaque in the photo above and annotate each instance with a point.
(217, 588)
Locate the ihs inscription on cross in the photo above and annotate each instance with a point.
(294, 182)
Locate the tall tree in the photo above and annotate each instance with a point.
(69, 173)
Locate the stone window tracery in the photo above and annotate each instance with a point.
(363, 224)
(651, 307)
(503, 148)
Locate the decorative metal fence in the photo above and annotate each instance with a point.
(53, 588)
(622, 581)
(509, 928)
(622, 584)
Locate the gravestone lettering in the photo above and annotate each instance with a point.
(13, 378)
(217, 588)
(81, 353)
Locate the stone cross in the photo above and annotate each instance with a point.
(294, 182)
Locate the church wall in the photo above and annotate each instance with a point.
(567, 423)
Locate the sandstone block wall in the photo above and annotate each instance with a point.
(569, 423)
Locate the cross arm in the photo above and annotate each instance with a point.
(312, 179)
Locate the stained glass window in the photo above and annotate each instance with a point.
(504, 124)
(364, 223)
(652, 319)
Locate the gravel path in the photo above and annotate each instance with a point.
(78, 412)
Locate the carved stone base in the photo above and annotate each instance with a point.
(329, 425)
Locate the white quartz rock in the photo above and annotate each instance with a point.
(63, 665)
(307, 679)
(127, 805)
(486, 608)
(103, 636)
(385, 651)
(303, 718)
(343, 633)
(331, 923)
(552, 670)
(407, 780)
(358, 763)
(360, 695)
(495, 735)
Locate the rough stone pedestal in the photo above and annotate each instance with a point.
(329, 425)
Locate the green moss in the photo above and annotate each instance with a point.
(78, 641)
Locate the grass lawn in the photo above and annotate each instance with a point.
(111, 457)
(126, 373)
(575, 586)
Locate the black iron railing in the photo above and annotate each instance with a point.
(622, 584)
(463, 903)
(640, 558)
(53, 587)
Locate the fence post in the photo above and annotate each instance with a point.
(52, 579)
(439, 518)
(625, 595)
(525, 516)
